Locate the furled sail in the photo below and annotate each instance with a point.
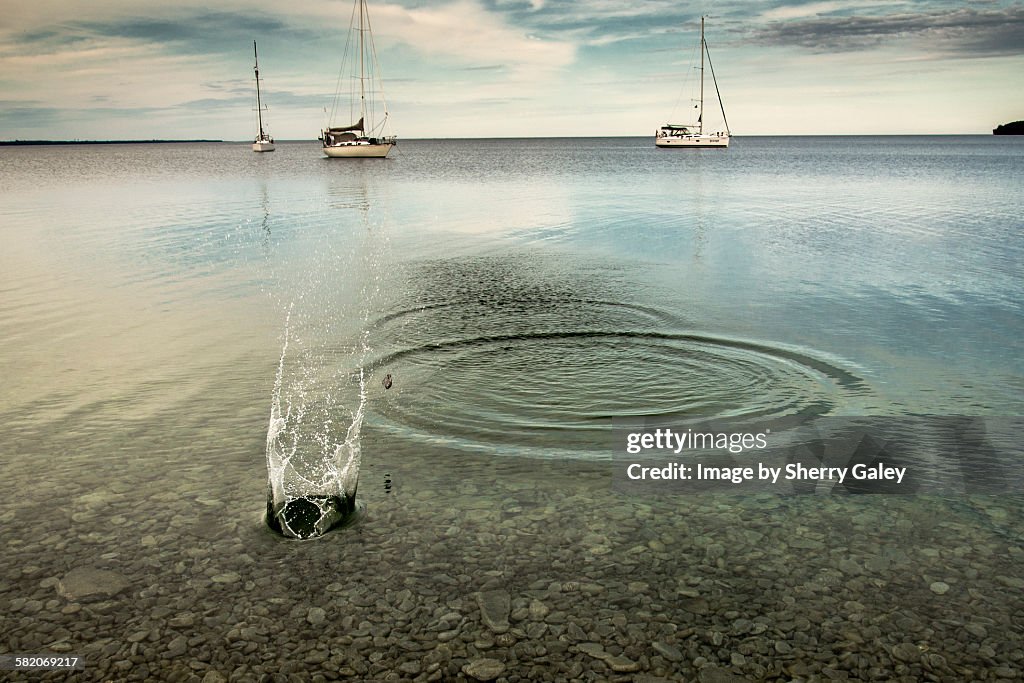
(355, 126)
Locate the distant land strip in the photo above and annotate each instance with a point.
(10, 143)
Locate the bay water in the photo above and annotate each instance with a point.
(523, 295)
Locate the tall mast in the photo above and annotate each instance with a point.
(700, 118)
(362, 71)
(259, 104)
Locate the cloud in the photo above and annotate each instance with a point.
(14, 113)
(598, 22)
(187, 66)
(465, 31)
(281, 99)
(306, 35)
(964, 32)
(182, 32)
(786, 12)
(49, 122)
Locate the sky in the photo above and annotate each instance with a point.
(124, 69)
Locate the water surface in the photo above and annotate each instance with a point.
(523, 294)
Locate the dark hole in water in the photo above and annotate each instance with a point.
(310, 516)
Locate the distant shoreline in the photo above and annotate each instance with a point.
(30, 143)
(12, 143)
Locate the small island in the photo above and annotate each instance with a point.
(1014, 128)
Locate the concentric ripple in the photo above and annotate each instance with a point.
(560, 390)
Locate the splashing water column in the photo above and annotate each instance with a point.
(322, 507)
(312, 477)
(305, 502)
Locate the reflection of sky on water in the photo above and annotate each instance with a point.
(898, 260)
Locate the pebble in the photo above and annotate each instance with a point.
(177, 647)
(698, 606)
(538, 610)
(183, 620)
(906, 652)
(976, 630)
(138, 636)
(504, 640)
(226, 577)
(494, 609)
(484, 669)
(714, 674)
(410, 668)
(1011, 581)
(90, 583)
(669, 652)
(574, 632)
(939, 587)
(622, 664)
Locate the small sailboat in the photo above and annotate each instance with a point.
(366, 137)
(692, 135)
(263, 141)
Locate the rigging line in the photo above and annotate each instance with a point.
(376, 71)
(341, 71)
(362, 65)
(717, 91)
(685, 87)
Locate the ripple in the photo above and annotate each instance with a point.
(640, 313)
(560, 390)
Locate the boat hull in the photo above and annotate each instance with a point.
(692, 141)
(263, 146)
(359, 151)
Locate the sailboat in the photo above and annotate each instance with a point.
(263, 141)
(365, 137)
(692, 135)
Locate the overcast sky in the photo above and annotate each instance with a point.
(122, 69)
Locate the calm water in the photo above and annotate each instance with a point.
(522, 293)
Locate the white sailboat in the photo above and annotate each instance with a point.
(263, 141)
(692, 135)
(365, 138)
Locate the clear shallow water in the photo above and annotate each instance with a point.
(522, 294)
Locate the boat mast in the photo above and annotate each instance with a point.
(362, 68)
(700, 117)
(259, 105)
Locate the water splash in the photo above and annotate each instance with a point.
(313, 476)
(328, 281)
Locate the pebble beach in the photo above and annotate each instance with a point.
(517, 574)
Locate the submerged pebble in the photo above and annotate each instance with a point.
(521, 602)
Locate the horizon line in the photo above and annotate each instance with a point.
(29, 142)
